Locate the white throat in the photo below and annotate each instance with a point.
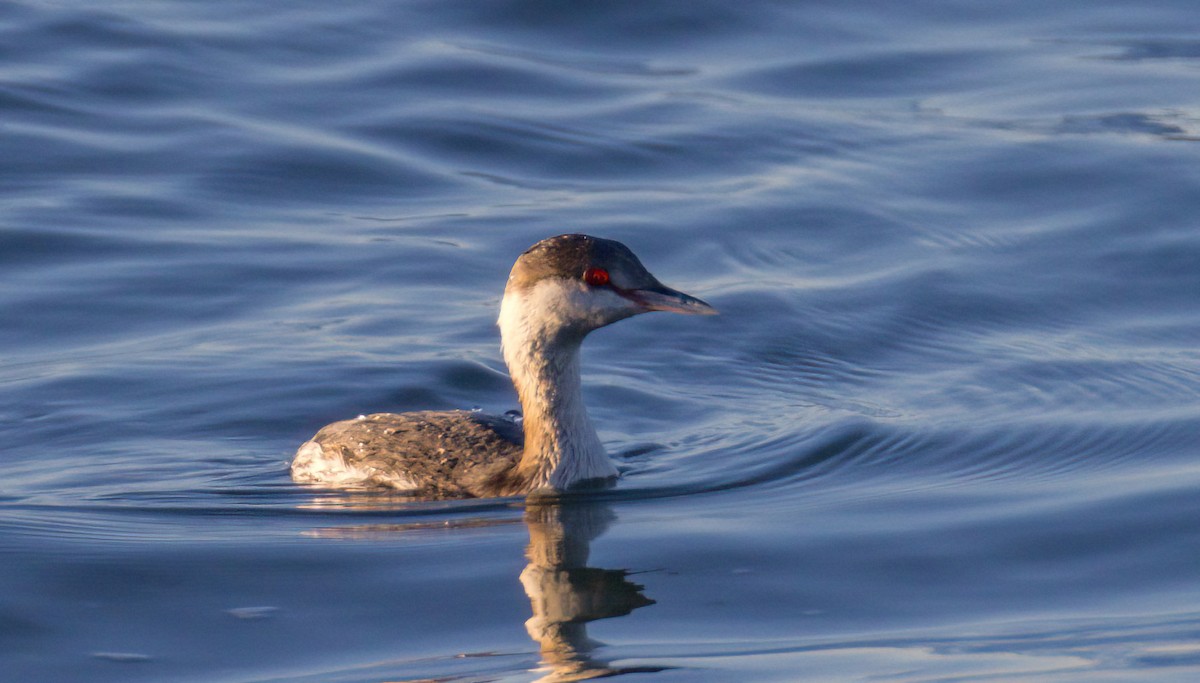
(542, 353)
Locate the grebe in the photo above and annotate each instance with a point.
(559, 290)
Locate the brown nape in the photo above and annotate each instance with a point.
(569, 256)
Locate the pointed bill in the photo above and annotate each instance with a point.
(663, 298)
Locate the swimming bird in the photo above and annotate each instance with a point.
(559, 290)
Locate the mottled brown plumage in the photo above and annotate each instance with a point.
(443, 454)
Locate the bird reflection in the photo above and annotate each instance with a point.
(565, 594)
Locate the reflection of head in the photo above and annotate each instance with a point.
(564, 593)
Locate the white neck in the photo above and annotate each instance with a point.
(561, 446)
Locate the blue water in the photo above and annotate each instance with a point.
(947, 427)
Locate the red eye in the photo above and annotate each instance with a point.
(596, 277)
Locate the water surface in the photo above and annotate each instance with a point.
(945, 428)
